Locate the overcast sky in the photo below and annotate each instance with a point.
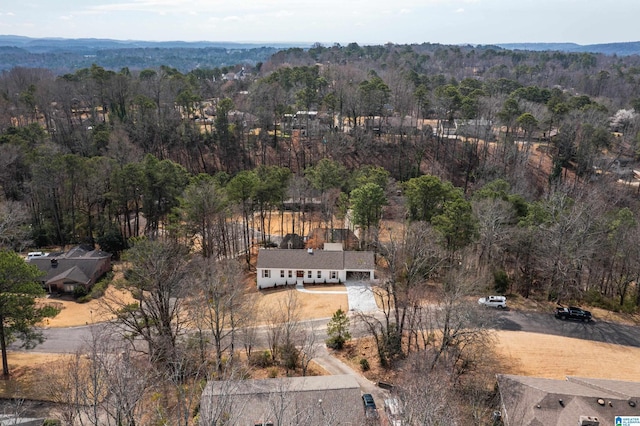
(327, 21)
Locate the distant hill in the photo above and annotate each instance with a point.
(620, 49)
(67, 55)
(37, 45)
(63, 55)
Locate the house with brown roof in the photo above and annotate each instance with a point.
(319, 236)
(277, 267)
(534, 401)
(80, 266)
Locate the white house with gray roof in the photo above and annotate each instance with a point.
(278, 267)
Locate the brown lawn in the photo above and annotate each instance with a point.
(309, 305)
(73, 314)
(556, 357)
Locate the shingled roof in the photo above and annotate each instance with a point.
(80, 265)
(310, 400)
(315, 259)
(551, 402)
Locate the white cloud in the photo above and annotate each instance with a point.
(66, 17)
(232, 19)
(283, 14)
(460, 10)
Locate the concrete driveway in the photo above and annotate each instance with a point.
(361, 297)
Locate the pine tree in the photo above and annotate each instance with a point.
(338, 330)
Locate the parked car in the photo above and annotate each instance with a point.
(499, 302)
(33, 254)
(370, 409)
(573, 313)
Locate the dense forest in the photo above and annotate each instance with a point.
(515, 168)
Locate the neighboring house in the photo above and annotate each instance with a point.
(310, 400)
(481, 128)
(80, 266)
(11, 420)
(292, 241)
(544, 135)
(278, 267)
(574, 401)
(319, 236)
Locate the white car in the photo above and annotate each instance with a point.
(33, 254)
(493, 301)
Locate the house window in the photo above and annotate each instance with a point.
(319, 274)
(309, 274)
(334, 275)
(290, 274)
(266, 273)
(282, 273)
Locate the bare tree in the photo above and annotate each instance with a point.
(308, 348)
(459, 324)
(410, 260)
(425, 396)
(156, 278)
(283, 324)
(218, 304)
(63, 384)
(14, 232)
(221, 407)
(103, 383)
(494, 215)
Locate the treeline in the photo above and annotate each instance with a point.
(65, 59)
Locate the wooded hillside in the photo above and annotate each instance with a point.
(539, 147)
(466, 170)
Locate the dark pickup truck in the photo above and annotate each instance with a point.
(573, 313)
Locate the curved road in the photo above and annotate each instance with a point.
(546, 323)
(67, 340)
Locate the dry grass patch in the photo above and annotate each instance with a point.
(27, 371)
(73, 314)
(310, 305)
(527, 354)
(556, 357)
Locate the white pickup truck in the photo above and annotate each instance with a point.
(493, 301)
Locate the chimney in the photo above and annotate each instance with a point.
(588, 421)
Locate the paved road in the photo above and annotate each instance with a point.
(600, 331)
(66, 340)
